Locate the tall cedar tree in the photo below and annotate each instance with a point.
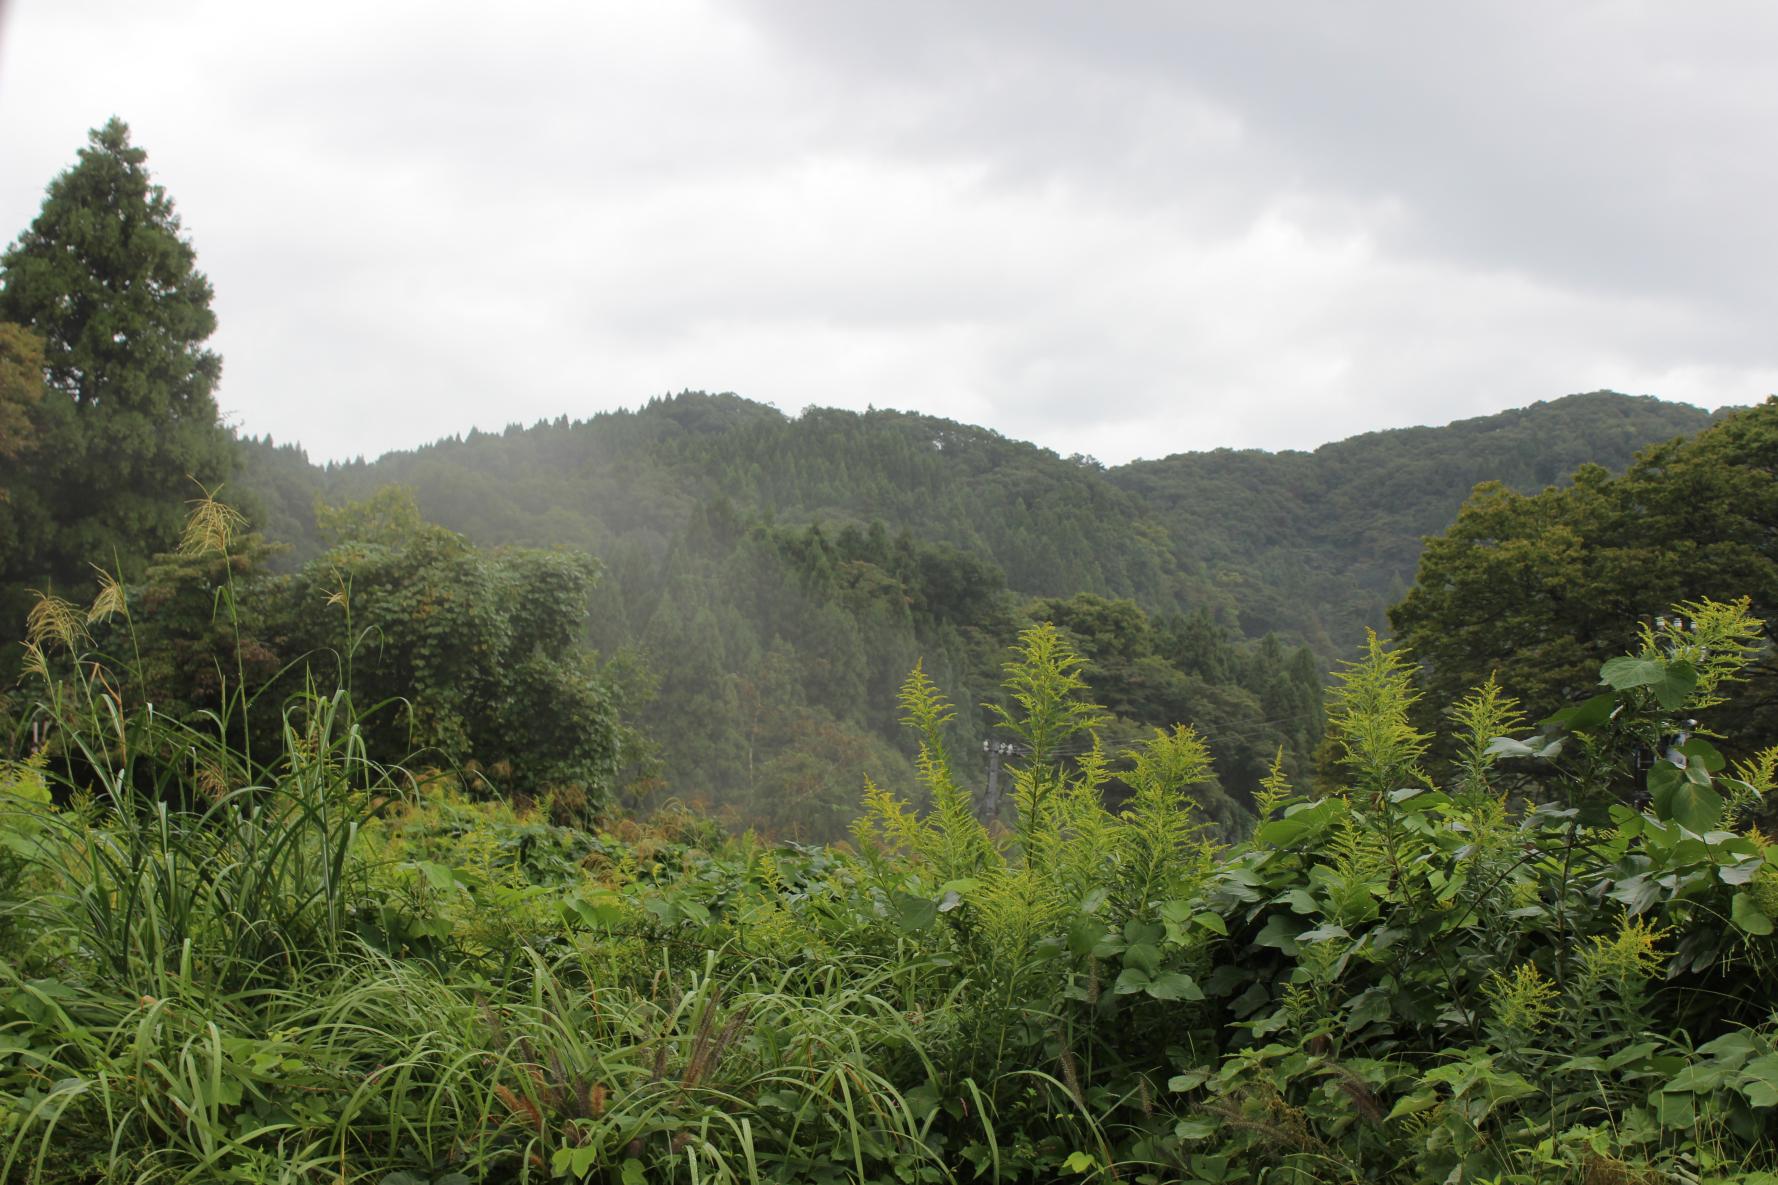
(21, 390)
(128, 417)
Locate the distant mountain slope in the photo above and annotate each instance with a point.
(1313, 545)
(1318, 545)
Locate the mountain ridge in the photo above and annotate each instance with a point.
(1313, 544)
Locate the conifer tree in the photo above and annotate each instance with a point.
(128, 416)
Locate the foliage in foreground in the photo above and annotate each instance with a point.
(311, 968)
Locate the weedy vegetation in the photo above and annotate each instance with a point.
(1500, 954)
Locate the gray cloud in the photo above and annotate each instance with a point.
(1124, 230)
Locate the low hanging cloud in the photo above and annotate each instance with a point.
(1125, 230)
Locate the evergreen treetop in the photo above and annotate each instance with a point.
(107, 280)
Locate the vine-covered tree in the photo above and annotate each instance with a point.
(128, 420)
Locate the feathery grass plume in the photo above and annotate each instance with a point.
(212, 526)
(54, 621)
(1368, 719)
(111, 601)
(1485, 713)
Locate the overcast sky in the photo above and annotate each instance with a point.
(1120, 229)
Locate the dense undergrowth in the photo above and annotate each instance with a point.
(1548, 960)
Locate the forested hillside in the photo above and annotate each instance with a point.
(769, 579)
(1318, 545)
(1304, 544)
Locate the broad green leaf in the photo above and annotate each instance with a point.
(1677, 685)
(1697, 1078)
(1411, 1104)
(1627, 671)
(1746, 914)
(1190, 1080)
(1702, 752)
(1174, 985)
(1084, 934)
(1143, 955)
(1507, 747)
(1695, 807)
(1587, 714)
(912, 913)
(1280, 931)
(1198, 1128)
(442, 879)
(1663, 779)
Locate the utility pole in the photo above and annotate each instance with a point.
(987, 808)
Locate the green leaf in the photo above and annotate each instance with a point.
(1701, 752)
(1211, 921)
(914, 914)
(1587, 714)
(1681, 679)
(1190, 1080)
(442, 879)
(1627, 671)
(1080, 1162)
(1759, 1081)
(1084, 935)
(1696, 807)
(1144, 956)
(1174, 985)
(1197, 1128)
(1746, 914)
(1412, 1104)
(633, 1174)
(1507, 747)
(1697, 1078)
(1280, 931)
(1130, 981)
